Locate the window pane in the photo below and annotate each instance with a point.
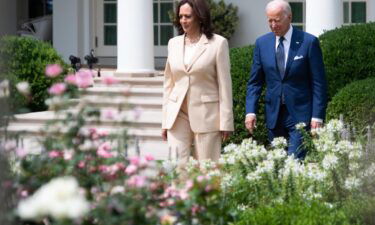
(110, 13)
(110, 35)
(156, 35)
(298, 26)
(358, 12)
(156, 10)
(297, 11)
(166, 33)
(164, 12)
(346, 12)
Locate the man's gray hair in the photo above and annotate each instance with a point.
(279, 3)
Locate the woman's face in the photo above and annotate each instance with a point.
(188, 19)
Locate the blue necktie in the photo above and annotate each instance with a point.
(280, 57)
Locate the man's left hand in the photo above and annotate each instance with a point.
(316, 124)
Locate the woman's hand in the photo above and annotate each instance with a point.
(225, 135)
(164, 134)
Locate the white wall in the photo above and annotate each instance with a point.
(71, 28)
(370, 11)
(252, 21)
(8, 17)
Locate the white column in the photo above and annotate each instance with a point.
(135, 37)
(370, 5)
(323, 15)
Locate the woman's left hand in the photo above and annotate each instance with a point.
(225, 135)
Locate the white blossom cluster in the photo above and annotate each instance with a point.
(61, 198)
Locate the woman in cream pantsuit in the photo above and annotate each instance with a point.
(197, 102)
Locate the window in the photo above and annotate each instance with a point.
(354, 11)
(39, 8)
(298, 12)
(163, 26)
(110, 22)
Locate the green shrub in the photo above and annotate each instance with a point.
(241, 60)
(25, 59)
(355, 102)
(294, 213)
(348, 55)
(223, 16)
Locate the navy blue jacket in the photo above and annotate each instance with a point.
(304, 85)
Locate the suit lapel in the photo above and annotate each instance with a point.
(295, 43)
(201, 47)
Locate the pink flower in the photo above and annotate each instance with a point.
(108, 113)
(131, 169)
(21, 152)
(53, 70)
(24, 193)
(104, 154)
(200, 178)
(54, 154)
(81, 164)
(208, 188)
(68, 155)
(109, 80)
(134, 160)
(84, 79)
(149, 157)
(137, 181)
(184, 195)
(71, 79)
(103, 133)
(195, 209)
(189, 184)
(57, 89)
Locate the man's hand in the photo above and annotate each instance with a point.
(164, 134)
(225, 135)
(316, 124)
(250, 123)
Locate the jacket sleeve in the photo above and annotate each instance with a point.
(167, 88)
(318, 80)
(225, 87)
(255, 83)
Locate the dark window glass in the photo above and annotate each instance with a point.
(166, 33)
(297, 11)
(358, 12)
(110, 13)
(156, 35)
(156, 10)
(164, 12)
(110, 35)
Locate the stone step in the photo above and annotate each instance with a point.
(37, 129)
(156, 148)
(143, 102)
(123, 91)
(147, 82)
(143, 119)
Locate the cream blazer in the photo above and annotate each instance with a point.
(207, 82)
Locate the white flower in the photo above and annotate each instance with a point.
(313, 172)
(230, 148)
(300, 126)
(4, 88)
(277, 154)
(355, 154)
(61, 198)
(329, 161)
(279, 142)
(334, 126)
(253, 176)
(352, 183)
(23, 88)
(227, 181)
(117, 189)
(169, 165)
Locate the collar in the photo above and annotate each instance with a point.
(287, 36)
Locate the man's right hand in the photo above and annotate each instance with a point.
(250, 123)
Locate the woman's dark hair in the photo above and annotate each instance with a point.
(201, 11)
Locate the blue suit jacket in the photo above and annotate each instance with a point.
(304, 85)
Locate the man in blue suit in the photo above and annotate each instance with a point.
(290, 63)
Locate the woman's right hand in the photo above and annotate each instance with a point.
(164, 134)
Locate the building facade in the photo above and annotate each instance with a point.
(118, 30)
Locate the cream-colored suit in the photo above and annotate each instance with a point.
(203, 87)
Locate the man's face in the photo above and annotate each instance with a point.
(278, 21)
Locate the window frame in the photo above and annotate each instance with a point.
(349, 2)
